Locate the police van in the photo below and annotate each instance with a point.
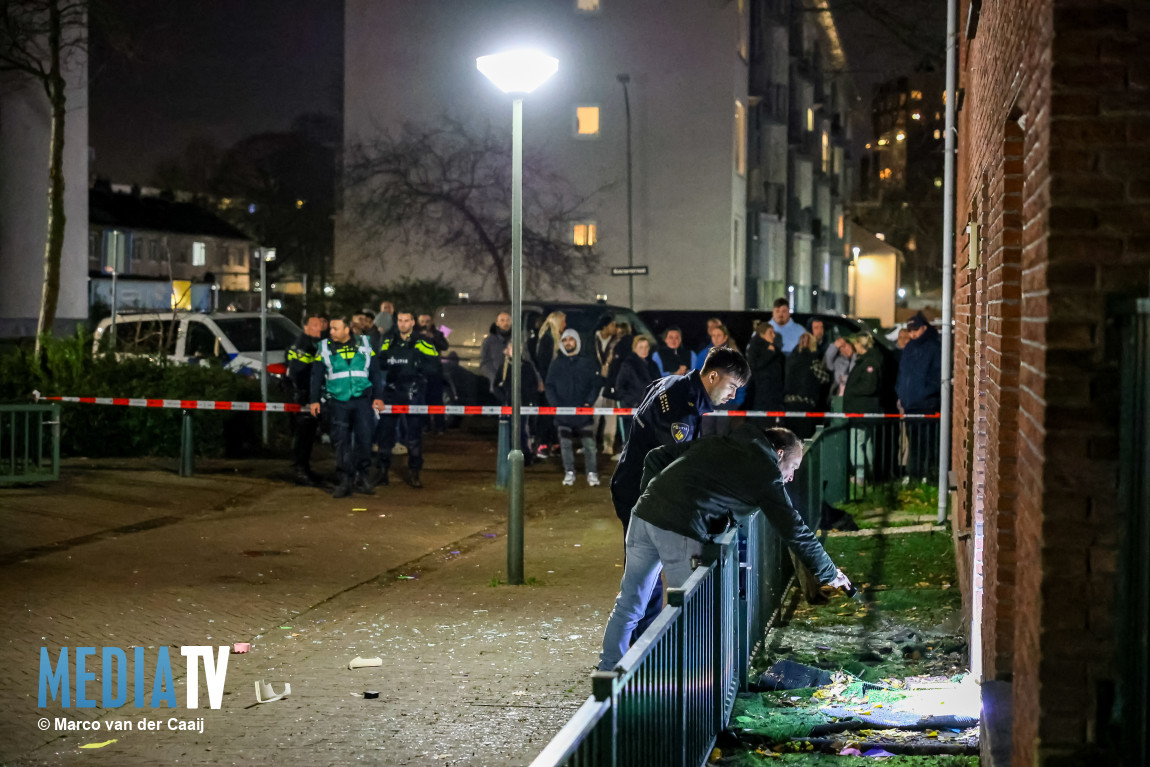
(228, 339)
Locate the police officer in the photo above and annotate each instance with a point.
(302, 355)
(408, 360)
(671, 413)
(348, 368)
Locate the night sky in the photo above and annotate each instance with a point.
(220, 69)
(225, 69)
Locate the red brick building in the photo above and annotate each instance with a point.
(1053, 179)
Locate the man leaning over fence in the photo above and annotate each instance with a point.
(351, 373)
(671, 413)
(693, 492)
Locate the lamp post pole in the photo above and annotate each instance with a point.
(515, 457)
(625, 78)
(263, 342)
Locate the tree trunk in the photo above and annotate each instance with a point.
(504, 287)
(54, 245)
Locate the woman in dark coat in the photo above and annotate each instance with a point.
(765, 356)
(636, 373)
(806, 378)
(863, 394)
(530, 393)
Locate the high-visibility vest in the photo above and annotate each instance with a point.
(347, 378)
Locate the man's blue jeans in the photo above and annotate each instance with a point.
(650, 550)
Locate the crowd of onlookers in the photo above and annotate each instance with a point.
(794, 368)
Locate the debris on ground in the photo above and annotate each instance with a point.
(881, 680)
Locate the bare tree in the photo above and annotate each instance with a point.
(40, 40)
(446, 191)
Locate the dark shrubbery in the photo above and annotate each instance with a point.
(68, 368)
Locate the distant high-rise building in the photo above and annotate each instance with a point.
(710, 141)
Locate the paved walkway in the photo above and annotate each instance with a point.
(127, 554)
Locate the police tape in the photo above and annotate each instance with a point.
(287, 407)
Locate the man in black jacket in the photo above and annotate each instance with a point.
(670, 414)
(409, 360)
(694, 492)
(920, 393)
(300, 357)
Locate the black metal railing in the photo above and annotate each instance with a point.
(673, 692)
(29, 443)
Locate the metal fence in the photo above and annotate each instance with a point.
(673, 692)
(29, 443)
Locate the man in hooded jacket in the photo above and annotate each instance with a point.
(573, 381)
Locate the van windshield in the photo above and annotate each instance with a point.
(244, 332)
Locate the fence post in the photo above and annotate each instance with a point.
(676, 598)
(502, 468)
(187, 445)
(603, 687)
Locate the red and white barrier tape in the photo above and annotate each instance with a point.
(287, 407)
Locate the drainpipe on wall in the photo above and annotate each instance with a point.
(947, 256)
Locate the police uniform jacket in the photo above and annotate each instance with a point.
(347, 350)
(699, 490)
(301, 356)
(670, 413)
(408, 362)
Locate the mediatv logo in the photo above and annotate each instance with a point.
(150, 690)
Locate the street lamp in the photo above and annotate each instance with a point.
(517, 73)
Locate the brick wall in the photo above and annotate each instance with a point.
(1054, 162)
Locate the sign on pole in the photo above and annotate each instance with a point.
(627, 271)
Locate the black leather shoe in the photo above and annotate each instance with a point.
(342, 490)
(379, 477)
(304, 478)
(413, 479)
(362, 486)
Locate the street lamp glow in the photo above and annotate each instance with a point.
(902, 292)
(517, 71)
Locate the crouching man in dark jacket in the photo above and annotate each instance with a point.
(693, 492)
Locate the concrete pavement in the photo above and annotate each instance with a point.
(127, 554)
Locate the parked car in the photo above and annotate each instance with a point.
(231, 339)
(466, 325)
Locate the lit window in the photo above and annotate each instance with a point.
(298, 204)
(584, 235)
(937, 134)
(740, 138)
(880, 236)
(900, 136)
(810, 119)
(883, 142)
(884, 174)
(826, 153)
(916, 95)
(587, 6)
(199, 254)
(587, 121)
(841, 226)
(915, 116)
(868, 146)
(937, 183)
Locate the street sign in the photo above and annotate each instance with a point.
(627, 271)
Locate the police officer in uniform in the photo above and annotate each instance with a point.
(302, 355)
(348, 368)
(671, 413)
(408, 360)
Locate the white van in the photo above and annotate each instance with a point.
(231, 339)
